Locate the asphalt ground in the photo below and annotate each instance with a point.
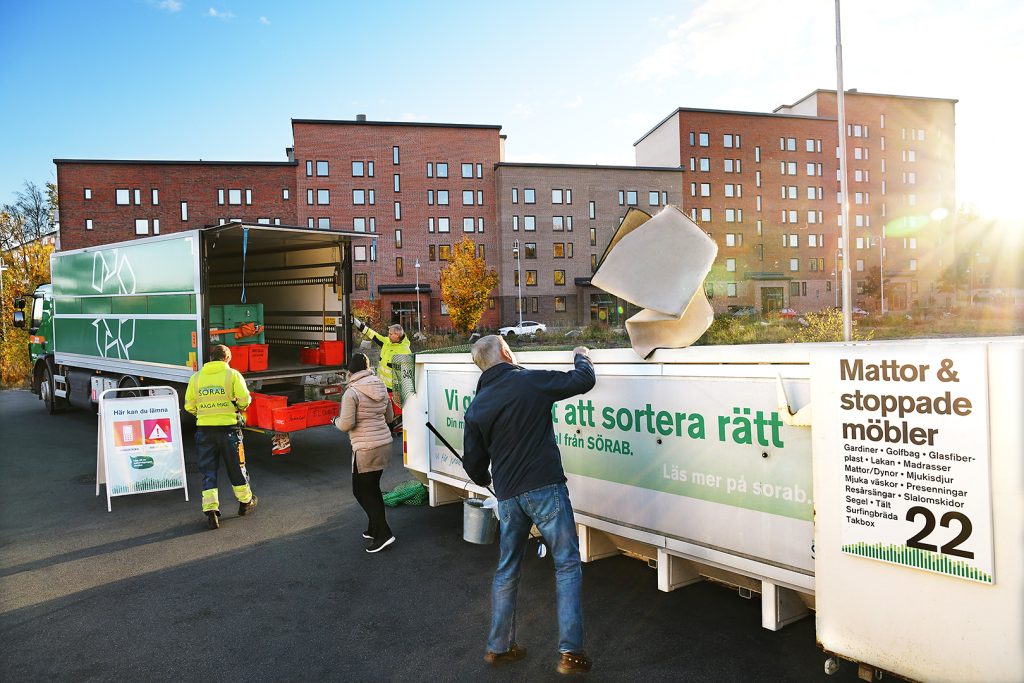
(146, 592)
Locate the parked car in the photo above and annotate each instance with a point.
(527, 328)
(742, 311)
(859, 312)
(787, 313)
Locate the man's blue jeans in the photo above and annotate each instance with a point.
(549, 508)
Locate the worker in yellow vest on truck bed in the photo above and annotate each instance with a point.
(395, 343)
(216, 395)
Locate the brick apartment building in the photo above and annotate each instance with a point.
(764, 185)
(561, 218)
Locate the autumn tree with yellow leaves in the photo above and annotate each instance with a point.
(24, 268)
(466, 286)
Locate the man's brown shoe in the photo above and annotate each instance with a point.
(514, 654)
(574, 663)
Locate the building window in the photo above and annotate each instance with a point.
(730, 265)
(467, 225)
(442, 169)
(480, 224)
(559, 278)
(398, 183)
(558, 250)
(559, 304)
(88, 224)
(309, 170)
(481, 252)
(467, 197)
(704, 139)
(359, 253)
(358, 197)
(705, 215)
(592, 208)
(235, 197)
(323, 197)
(394, 155)
(442, 197)
(556, 196)
(399, 268)
(515, 195)
(529, 250)
(141, 226)
(467, 170)
(531, 278)
(432, 252)
(557, 223)
(323, 223)
(529, 223)
(88, 193)
(631, 197)
(248, 197)
(398, 211)
(123, 197)
(184, 211)
(593, 263)
(529, 195)
(593, 237)
(794, 265)
(359, 281)
(359, 224)
(444, 252)
(398, 239)
(515, 223)
(444, 224)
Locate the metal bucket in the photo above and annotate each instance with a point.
(479, 525)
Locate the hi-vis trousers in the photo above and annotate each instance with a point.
(212, 445)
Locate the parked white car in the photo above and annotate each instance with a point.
(527, 327)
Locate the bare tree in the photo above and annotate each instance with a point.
(35, 208)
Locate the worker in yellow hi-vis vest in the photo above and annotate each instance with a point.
(216, 395)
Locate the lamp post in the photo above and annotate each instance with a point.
(519, 280)
(419, 318)
(843, 183)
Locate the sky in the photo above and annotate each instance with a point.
(569, 81)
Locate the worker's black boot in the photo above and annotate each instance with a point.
(246, 508)
(213, 519)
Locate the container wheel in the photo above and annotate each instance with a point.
(831, 666)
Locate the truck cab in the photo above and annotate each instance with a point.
(40, 341)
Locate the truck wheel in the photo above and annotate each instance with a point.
(53, 404)
(129, 382)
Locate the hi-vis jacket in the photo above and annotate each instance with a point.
(216, 394)
(388, 349)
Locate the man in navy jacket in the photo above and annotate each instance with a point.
(509, 433)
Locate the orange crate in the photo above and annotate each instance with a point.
(309, 356)
(290, 419)
(240, 358)
(264, 406)
(321, 412)
(258, 357)
(332, 352)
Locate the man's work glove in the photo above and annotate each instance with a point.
(360, 325)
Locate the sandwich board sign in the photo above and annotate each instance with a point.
(138, 446)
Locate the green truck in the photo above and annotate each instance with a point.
(145, 312)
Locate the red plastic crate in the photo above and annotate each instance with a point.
(264, 405)
(290, 419)
(259, 355)
(332, 352)
(239, 358)
(321, 412)
(309, 356)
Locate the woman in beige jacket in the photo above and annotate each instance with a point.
(365, 413)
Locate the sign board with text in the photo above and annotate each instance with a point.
(139, 446)
(911, 427)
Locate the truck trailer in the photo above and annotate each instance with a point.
(146, 311)
(878, 486)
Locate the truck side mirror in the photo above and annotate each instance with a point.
(19, 318)
(19, 303)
